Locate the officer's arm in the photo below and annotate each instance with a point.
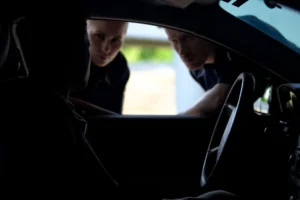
(211, 103)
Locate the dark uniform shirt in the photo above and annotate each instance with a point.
(222, 71)
(106, 85)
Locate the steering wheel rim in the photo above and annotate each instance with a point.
(238, 104)
(89, 107)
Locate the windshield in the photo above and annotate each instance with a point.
(281, 23)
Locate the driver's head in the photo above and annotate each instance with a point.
(59, 59)
(194, 51)
(106, 38)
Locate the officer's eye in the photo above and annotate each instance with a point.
(99, 36)
(116, 40)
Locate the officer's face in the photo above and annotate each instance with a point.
(194, 51)
(106, 38)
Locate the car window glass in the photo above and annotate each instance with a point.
(262, 104)
(280, 23)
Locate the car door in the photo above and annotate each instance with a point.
(148, 147)
(160, 156)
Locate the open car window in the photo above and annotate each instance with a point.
(150, 70)
(279, 22)
(156, 81)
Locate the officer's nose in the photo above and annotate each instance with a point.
(106, 46)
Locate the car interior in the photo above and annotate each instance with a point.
(243, 150)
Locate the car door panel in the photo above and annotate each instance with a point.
(165, 153)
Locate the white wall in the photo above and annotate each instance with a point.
(188, 91)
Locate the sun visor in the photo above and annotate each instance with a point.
(182, 3)
(178, 3)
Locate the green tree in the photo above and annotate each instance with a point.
(152, 54)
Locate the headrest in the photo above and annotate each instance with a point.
(4, 43)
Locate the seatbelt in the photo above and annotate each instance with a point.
(79, 137)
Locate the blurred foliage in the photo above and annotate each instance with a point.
(136, 54)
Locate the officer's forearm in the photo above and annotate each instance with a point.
(211, 103)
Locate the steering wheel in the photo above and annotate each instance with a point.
(223, 149)
(90, 108)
